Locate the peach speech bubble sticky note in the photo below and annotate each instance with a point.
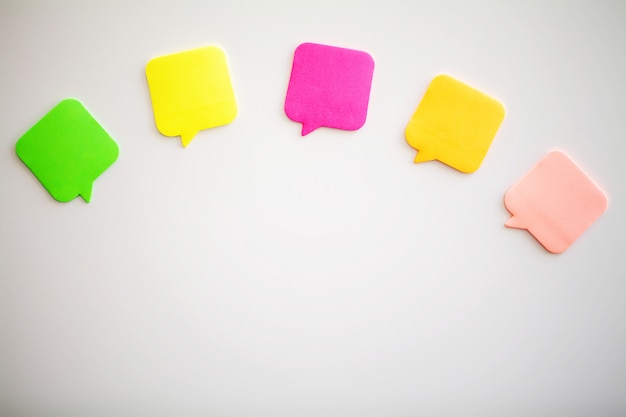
(556, 202)
(455, 124)
(329, 86)
(191, 91)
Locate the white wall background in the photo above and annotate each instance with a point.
(259, 273)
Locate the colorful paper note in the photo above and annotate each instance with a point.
(556, 202)
(191, 91)
(67, 150)
(455, 124)
(329, 86)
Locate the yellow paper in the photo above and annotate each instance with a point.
(191, 91)
(454, 124)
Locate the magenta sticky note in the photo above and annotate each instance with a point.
(329, 87)
(555, 201)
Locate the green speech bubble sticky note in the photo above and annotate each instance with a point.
(67, 150)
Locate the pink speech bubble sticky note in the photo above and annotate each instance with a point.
(556, 202)
(329, 87)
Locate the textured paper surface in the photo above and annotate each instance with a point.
(329, 86)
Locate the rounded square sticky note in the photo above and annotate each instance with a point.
(455, 124)
(329, 87)
(556, 202)
(67, 150)
(191, 91)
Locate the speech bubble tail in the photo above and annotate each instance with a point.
(422, 157)
(186, 138)
(86, 193)
(306, 129)
(514, 223)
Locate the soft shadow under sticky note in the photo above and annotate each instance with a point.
(67, 150)
(191, 91)
(555, 201)
(455, 124)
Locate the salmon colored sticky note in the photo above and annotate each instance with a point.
(455, 124)
(329, 86)
(556, 202)
(191, 91)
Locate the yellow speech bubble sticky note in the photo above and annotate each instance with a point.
(454, 124)
(191, 91)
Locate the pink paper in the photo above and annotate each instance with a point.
(556, 202)
(329, 87)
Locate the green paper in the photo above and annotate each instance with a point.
(67, 150)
